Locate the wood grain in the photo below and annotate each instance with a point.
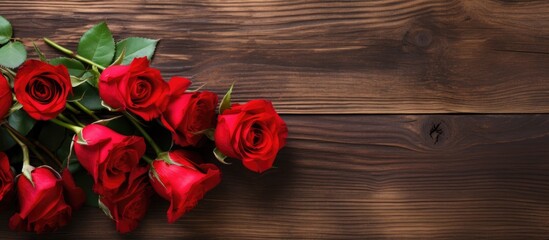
(371, 177)
(348, 176)
(391, 56)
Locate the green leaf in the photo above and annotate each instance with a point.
(76, 81)
(6, 142)
(94, 81)
(88, 96)
(74, 166)
(226, 102)
(220, 156)
(122, 126)
(91, 77)
(15, 156)
(97, 45)
(58, 141)
(5, 30)
(135, 47)
(13, 54)
(51, 136)
(21, 122)
(119, 58)
(75, 67)
(64, 152)
(40, 54)
(16, 106)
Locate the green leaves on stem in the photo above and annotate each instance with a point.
(71, 53)
(76, 68)
(21, 122)
(224, 105)
(75, 129)
(12, 53)
(5, 30)
(87, 111)
(97, 48)
(226, 102)
(27, 168)
(97, 45)
(41, 55)
(133, 47)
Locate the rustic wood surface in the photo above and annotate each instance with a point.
(372, 177)
(389, 56)
(354, 175)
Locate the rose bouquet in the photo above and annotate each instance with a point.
(101, 126)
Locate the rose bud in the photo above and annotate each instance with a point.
(6, 177)
(252, 132)
(6, 98)
(181, 181)
(188, 114)
(43, 208)
(74, 195)
(107, 155)
(135, 87)
(42, 89)
(130, 203)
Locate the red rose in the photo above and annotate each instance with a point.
(43, 208)
(188, 113)
(137, 88)
(5, 96)
(184, 182)
(130, 203)
(74, 195)
(6, 177)
(42, 89)
(107, 155)
(252, 132)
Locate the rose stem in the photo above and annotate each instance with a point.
(63, 118)
(75, 120)
(27, 168)
(72, 109)
(8, 71)
(147, 137)
(9, 74)
(71, 53)
(75, 129)
(26, 141)
(48, 152)
(32, 145)
(147, 159)
(86, 110)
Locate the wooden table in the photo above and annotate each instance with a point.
(407, 119)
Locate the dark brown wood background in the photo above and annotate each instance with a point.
(407, 118)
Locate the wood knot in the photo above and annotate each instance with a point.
(436, 132)
(417, 39)
(423, 38)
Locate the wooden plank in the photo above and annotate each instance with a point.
(364, 177)
(392, 56)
